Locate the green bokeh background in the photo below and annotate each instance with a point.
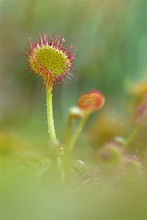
(110, 40)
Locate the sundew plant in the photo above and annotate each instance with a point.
(73, 101)
(53, 61)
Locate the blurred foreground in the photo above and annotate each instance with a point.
(29, 193)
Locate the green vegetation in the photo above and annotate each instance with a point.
(108, 176)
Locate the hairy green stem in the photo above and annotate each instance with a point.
(50, 119)
(133, 135)
(77, 132)
(70, 143)
(68, 130)
(52, 136)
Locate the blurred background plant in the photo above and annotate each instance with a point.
(110, 39)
